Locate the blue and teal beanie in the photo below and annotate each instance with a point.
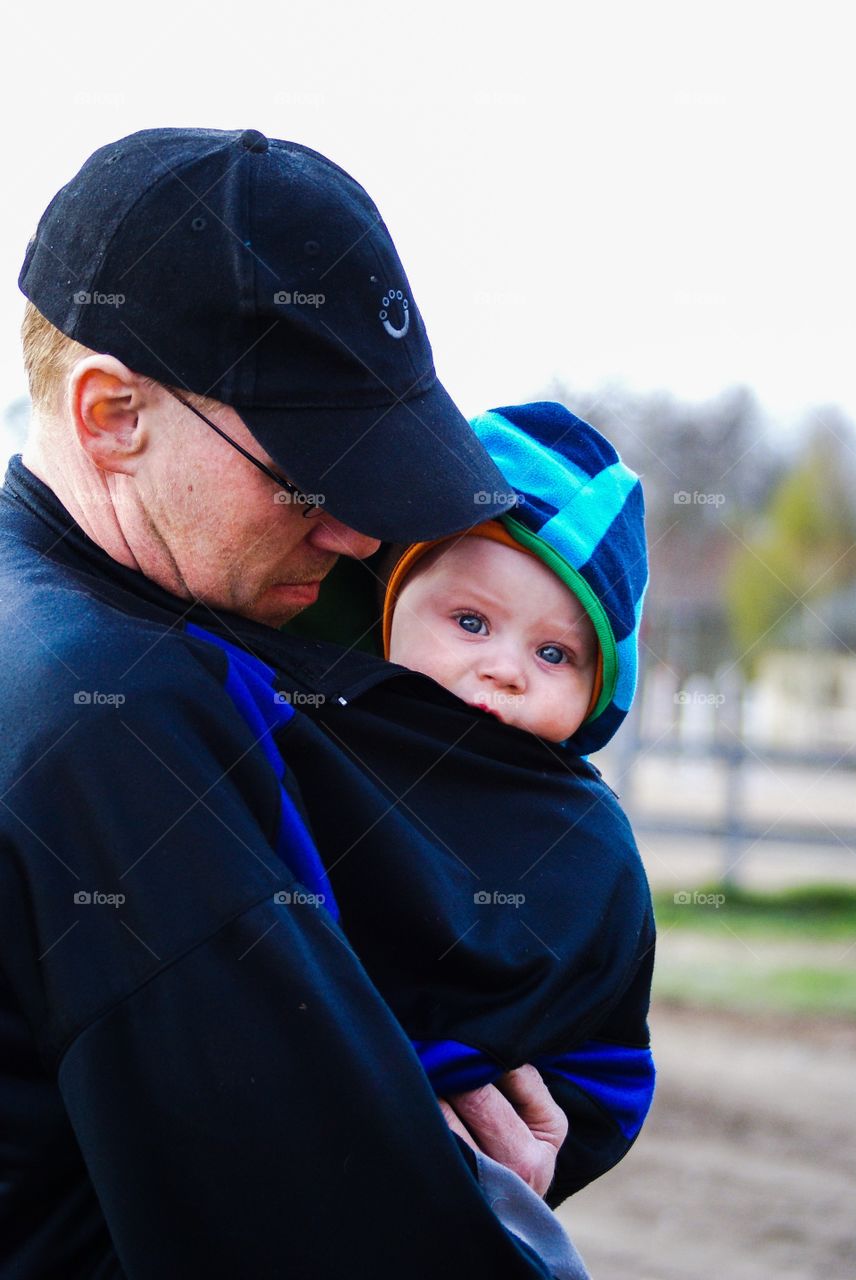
(581, 510)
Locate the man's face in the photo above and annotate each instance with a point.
(497, 628)
(222, 525)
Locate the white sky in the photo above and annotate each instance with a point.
(661, 193)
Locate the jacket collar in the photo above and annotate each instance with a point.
(32, 513)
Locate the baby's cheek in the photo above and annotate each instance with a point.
(443, 665)
(567, 712)
(452, 673)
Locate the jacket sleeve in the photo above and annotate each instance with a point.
(244, 1102)
(605, 1086)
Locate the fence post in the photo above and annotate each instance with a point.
(627, 744)
(733, 753)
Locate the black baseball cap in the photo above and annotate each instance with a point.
(259, 273)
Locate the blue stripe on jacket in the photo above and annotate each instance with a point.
(250, 685)
(620, 1078)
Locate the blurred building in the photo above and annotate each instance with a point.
(803, 699)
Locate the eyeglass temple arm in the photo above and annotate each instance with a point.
(280, 480)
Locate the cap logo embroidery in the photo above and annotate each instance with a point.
(395, 295)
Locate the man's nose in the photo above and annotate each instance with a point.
(329, 534)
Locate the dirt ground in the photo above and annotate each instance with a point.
(746, 1168)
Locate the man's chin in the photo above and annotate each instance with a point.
(294, 596)
(282, 602)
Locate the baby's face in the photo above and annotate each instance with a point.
(496, 627)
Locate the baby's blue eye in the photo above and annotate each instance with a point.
(553, 654)
(471, 622)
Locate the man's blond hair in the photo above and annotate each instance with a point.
(49, 357)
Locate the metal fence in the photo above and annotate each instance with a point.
(724, 785)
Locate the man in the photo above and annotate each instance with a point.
(232, 387)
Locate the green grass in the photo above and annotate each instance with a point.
(809, 912)
(759, 951)
(782, 990)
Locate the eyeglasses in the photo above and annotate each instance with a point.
(310, 505)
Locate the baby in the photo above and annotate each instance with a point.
(489, 621)
(493, 889)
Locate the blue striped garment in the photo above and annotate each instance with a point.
(582, 511)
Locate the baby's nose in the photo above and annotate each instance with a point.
(503, 669)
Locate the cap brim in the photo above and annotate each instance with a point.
(402, 473)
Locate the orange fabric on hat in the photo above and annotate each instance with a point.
(597, 686)
(496, 532)
(490, 529)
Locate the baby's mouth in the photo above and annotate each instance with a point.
(482, 706)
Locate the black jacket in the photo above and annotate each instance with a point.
(197, 1078)
(490, 883)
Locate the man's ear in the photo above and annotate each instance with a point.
(105, 400)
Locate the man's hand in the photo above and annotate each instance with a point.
(514, 1121)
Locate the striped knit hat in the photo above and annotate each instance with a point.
(581, 511)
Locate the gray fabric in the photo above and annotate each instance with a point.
(522, 1212)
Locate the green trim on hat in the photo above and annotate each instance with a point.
(577, 584)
